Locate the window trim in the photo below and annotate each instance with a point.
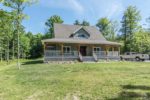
(66, 49)
(95, 49)
(82, 36)
(48, 47)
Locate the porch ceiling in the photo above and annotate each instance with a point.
(80, 41)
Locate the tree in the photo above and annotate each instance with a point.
(2, 14)
(104, 26)
(36, 46)
(7, 36)
(50, 24)
(148, 21)
(84, 23)
(108, 28)
(18, 7)
(10, 27)
(141, 42)
(25, 46)
(114, 28)
(6, 32)
(77, 22)
(130, 25)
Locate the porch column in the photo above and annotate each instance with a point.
(78, 48)
(113, 51)
(44, 47)
(44, 51)
(93, 49)
(62, 51)
(119, 51)
(107, 50)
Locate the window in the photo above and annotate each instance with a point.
(67, 49)
(82, 34)
(52, 48)
(97, 49)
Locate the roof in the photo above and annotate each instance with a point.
(62, 33)
(80, 41)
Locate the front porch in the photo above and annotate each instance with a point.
(81, 52)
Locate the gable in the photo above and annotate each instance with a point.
(80, 34)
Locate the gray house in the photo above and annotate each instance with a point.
(75, 42)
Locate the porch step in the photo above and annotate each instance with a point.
(88, 58)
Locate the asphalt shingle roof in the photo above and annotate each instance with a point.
(64, 31)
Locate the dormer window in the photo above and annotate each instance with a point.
(81, 34)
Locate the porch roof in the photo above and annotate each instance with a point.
(80, 41)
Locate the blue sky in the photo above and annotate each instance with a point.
(70, 10)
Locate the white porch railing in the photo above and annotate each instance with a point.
(50, 53)
(113, 53)
(105, 54)
(57, 54)
(101, 53)
(71, 53)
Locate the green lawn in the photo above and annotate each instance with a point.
(80, 81)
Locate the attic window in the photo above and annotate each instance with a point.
(81, 34)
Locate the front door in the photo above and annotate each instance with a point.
(83, 50)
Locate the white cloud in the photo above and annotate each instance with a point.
(74, 5)
(102, 8)
(87, 9)
(115, 9)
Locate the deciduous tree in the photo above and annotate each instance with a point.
(83, 23)
(50, 24)
(104, 26)
(18, 7)
(130, 25)
(141, 42)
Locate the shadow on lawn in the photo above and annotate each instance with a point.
(129, 94)
(33, 62)
(140, 87)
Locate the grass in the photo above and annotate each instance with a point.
(80, 81)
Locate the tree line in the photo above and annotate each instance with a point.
(16, 43)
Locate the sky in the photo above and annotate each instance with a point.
(89, 10)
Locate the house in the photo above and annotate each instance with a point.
(75, 42)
